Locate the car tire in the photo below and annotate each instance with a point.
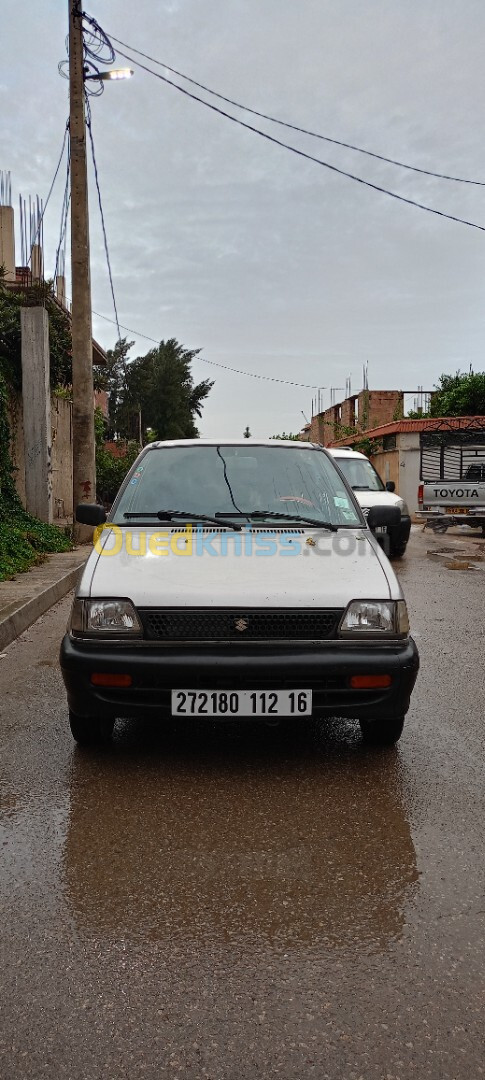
(398, 548)
(90, 730)
(385, 732)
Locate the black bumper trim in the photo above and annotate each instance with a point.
(325, 671)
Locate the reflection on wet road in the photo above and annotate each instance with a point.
(240, 837)
(238, 903)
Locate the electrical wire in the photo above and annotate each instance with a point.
(303, 153)
(97, 49)
(214, 363)
(61, 247)
(103, 224)
(41, 218)
(97, 45)
(296, 127)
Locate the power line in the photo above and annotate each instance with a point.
(103, 225)
(302, 153)
(61, 247)
(296, 127)
(214, 363)
(267, 378)
(39, 223)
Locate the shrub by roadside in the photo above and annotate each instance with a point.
(25, 541)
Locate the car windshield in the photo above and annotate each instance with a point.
(360, 474)
(236, 481)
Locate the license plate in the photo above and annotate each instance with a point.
(456, 510)
(241, 703)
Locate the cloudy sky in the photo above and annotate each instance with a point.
(268, 262)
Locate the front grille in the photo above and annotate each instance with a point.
(221, 624)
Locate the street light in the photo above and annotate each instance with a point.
(115, 73)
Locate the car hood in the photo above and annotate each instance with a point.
(308, 568)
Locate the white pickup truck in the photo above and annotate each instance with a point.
(452, 487)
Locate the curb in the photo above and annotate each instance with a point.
(24, 614)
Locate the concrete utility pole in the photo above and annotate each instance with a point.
(83, 445)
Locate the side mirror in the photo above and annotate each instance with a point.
(383, 517)
(90, 514)
(390, 486)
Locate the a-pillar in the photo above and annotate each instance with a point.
(36, 401)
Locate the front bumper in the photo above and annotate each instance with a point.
(326, 670)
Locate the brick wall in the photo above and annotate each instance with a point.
(370, 408)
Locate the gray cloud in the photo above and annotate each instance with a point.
(269, 262)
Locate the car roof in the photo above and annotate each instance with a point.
(345, 451)
(279, 443)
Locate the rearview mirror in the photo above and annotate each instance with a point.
(90, 514)
(383, 516)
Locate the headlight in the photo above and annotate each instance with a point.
(115, 617)
(404, 508)
(375, 617)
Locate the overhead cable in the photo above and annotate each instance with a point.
(296, 127)
(214, 363)
(303, 153)
(54, 178)
(103, 224)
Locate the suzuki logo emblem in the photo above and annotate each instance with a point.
(241, 625)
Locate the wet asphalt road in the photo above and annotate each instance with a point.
(239, 904)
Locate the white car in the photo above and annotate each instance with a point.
(370, 491)
(237, 580)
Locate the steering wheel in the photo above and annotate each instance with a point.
(297, 499)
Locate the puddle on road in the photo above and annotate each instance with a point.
(227, 842)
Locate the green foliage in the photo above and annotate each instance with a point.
(111, 470)
(154, 392)
(417, 414)
(24, 540)
(459, 395)
(344, 431)
(290, 436)
(367, 446)
(60, 345)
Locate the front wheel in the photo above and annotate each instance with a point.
(90, 730)
(382, 732)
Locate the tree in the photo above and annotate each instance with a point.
(114, 381)
(246, 432)
(294, 438)
(155, 392)
(459, 395)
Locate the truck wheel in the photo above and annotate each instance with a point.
(90, 730)
(382, 732)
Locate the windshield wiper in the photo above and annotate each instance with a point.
(287, 517)
(167, 515)
(362, 487)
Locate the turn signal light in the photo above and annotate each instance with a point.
(370, 682)
(106, 679)
(421, 494)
